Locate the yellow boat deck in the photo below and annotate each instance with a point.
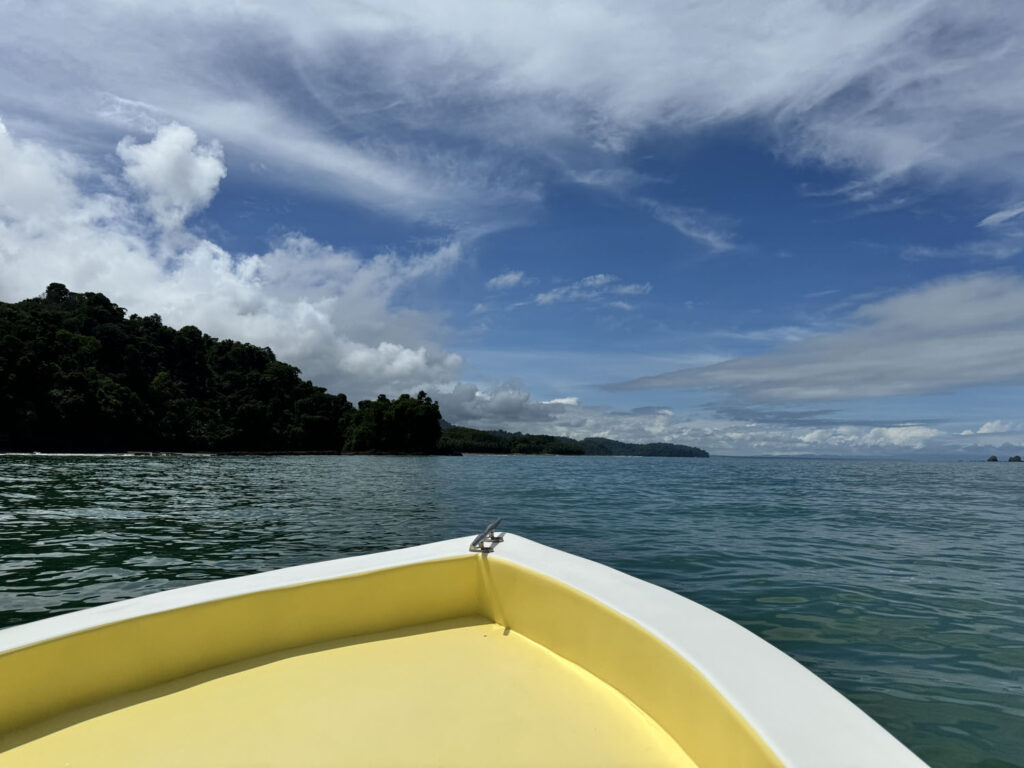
(455, 692)
(447, 660)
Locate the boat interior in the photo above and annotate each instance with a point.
(465, 660)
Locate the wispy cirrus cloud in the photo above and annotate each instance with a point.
(600, 287)
(710, 230)
(942, 336)
(778, 334)
(1001, 217)
(1003, 238)
(506, 280)
(457, 113)
(993, 249)
(815, 418)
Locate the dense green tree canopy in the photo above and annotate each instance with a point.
(76, 374)
(467, 440)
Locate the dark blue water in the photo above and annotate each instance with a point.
(901, 584)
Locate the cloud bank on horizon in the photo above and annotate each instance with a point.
(797, 233)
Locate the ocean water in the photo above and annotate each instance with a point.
(899, 583)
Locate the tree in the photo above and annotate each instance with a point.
(77, 375)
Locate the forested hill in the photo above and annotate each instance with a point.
(467, 440)
(76, 374)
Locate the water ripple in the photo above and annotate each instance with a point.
(901, 584)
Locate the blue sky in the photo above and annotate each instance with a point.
(787, 229)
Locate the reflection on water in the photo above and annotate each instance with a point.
(901, 584)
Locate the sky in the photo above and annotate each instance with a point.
(792, 228)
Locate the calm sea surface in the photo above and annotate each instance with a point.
(901, 584)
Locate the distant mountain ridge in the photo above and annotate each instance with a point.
(467, 440)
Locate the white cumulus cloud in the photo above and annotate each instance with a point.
(174, 172)
(844, 437)
(510, 406)
(997, 426)
(329, 311)
(563, 401)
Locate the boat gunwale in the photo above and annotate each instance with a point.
(22, 636)
(805, 721)
(802, 719)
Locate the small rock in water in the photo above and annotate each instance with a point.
(993, 458)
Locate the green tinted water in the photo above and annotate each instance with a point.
(901, 584)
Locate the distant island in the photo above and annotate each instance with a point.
(77, 375)
(465, 440)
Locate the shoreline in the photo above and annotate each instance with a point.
(148, 454)
(154, 454)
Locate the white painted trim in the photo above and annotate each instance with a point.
(807, 723)
(90, 618)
